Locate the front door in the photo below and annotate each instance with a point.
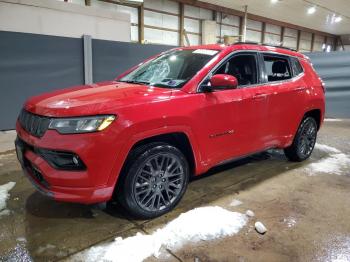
(232, 120)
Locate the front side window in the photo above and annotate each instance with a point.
(172, 69)
(277, 68)
(241, 66)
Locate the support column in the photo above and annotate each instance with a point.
(141, 24)
(298, 40)
(182, 23)
(263, 31)
(244, 24)
(282, 36)
(87, 42)
(312, 42)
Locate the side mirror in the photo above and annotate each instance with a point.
(223, 81)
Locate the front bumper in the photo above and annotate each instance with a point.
(82, 186)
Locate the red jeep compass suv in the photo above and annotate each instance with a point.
(140, 137)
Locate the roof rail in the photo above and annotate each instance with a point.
(279, 46)
(247, 43)
(256, 43)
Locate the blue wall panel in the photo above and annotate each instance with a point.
(334, 69)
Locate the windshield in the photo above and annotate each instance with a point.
(171, 70)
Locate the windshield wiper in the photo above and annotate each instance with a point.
(135, 82)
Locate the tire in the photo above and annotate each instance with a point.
(154, 180)
(304, 141)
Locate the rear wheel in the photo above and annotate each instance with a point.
(156, 177)
(304, 141)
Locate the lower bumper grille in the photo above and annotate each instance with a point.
(60, 160)
(35, 172)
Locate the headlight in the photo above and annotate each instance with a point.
(81, 124)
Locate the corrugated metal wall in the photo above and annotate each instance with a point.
(334, 69)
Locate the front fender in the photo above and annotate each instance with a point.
(133, 137)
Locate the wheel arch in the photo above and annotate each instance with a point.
(179, 139)
(316, 114)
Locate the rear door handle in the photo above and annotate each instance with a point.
(260, 96)
(300, 88)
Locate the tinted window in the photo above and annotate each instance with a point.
(243, 67)
(297, 68)
(277, 68)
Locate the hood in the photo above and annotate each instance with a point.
(102, 98)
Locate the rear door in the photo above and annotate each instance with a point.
(286, 101)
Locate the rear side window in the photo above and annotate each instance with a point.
(277, 68)
(297, 68)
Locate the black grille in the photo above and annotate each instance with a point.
(33, 124)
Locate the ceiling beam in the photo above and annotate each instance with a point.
(251, 16)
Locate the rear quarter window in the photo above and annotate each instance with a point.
(296, 66)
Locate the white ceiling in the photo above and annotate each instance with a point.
(295, 12)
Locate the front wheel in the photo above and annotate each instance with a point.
(155, 180)
(304, 141)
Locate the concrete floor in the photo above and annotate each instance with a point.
(307, 217)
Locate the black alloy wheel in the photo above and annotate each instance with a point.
(304, 141)
(155, 180)
(158, 182)
(307, 139)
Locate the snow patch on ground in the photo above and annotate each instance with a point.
(205, 223)
(6, 156)
(235, 202)
(326, 149)
(4, 195)
(21, 239)
(334, 163)
(44, 248)
(290, 221)
(332, 120)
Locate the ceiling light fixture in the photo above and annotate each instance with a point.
(311, 10)
(332, 19)
(338, 19)
(274, 1)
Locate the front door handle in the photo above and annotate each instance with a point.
(260, 96)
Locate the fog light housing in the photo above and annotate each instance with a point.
(62, 160)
